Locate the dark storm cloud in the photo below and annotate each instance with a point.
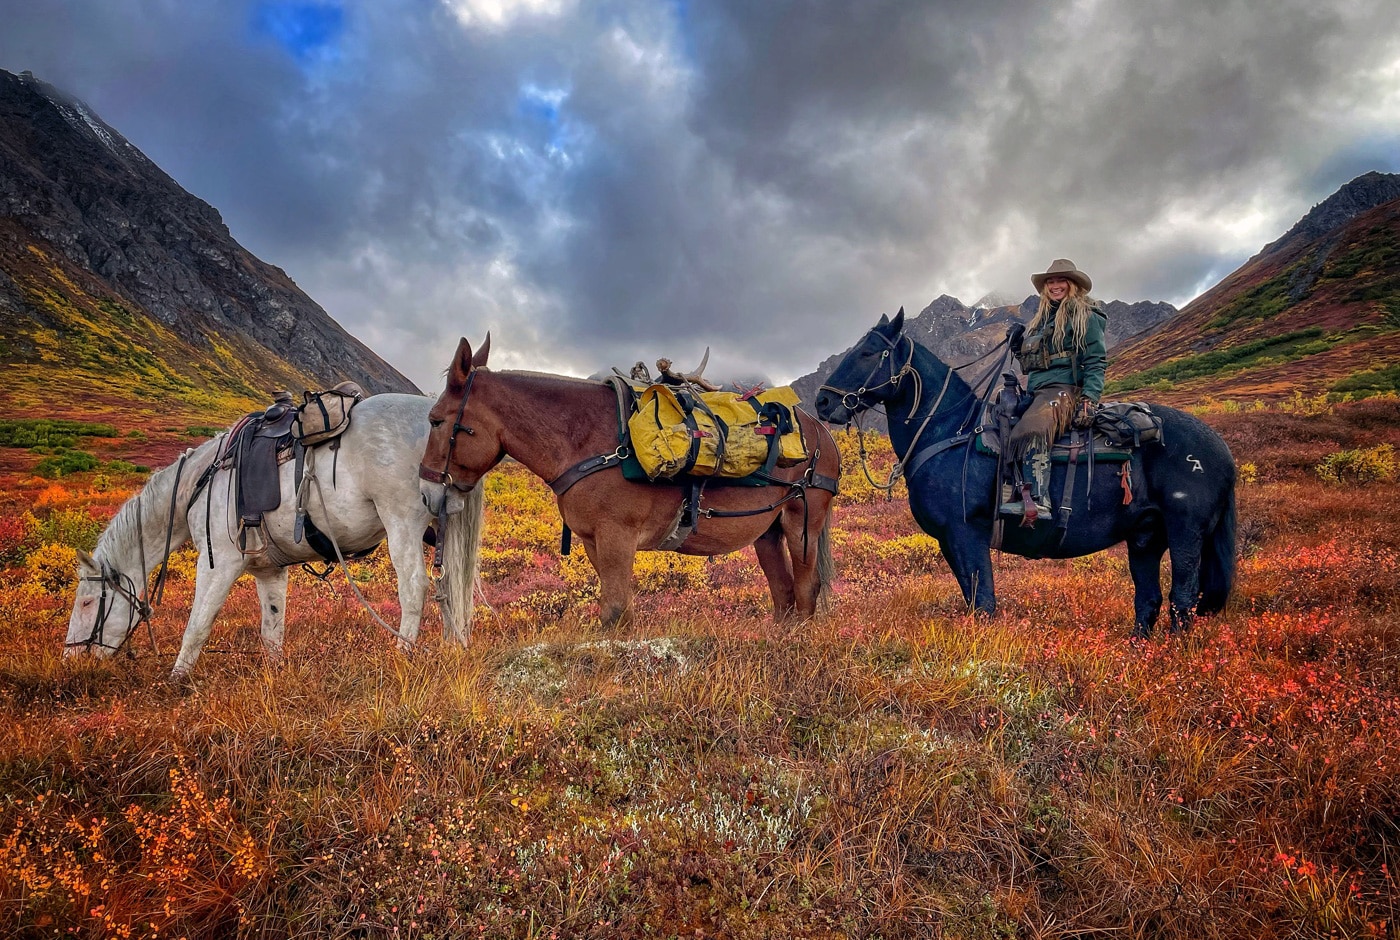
(597, 182)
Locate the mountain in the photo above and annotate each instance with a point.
(117, 286)
(1316, 311)
(960, 334)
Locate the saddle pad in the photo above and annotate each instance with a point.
(632, 470)
(1104, 452)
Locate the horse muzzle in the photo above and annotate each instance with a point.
(836, 409)
(436, 497)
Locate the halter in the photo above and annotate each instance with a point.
(444, 476)
(122, 585)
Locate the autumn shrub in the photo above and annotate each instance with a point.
(866, 462)
(14, 536)
(72, 527)
(180, 866)
(52, 566)
(65, 463)
(1307, 406)
(1359, 465)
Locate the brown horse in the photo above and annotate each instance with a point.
(565, 431)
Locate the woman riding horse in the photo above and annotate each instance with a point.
(1064, 357)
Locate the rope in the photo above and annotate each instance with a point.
(306, 484)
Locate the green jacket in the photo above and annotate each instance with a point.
(1046, 362)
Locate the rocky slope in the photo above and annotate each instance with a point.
(115, 281)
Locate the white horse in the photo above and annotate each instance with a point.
(358, 496)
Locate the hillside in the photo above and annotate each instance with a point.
(1317, 311)
(120, 290)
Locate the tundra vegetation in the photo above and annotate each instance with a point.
(895, 768)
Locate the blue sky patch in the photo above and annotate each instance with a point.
(306, 30)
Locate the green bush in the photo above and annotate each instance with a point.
(1371, 382)
(65, 462)
(45, 433)
(72, 527)
(1360, 465)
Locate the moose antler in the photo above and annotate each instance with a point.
(696, 378)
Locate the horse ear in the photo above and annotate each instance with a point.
(86, 563)
(898, 321)
(884, 320)
(479, 360)
(461, 365)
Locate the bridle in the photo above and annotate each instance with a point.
(124, 586)
(444, 476)
(121, 585)
(855, 402)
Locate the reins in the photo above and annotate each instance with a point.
(854, 401)
(311, 479)
(124, 585)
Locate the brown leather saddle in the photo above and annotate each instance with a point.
(258, 445)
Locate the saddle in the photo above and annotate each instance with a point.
(1119, 429)
(261, 442)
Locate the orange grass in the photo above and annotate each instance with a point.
(893, 769)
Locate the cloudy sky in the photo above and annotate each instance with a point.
(600, 181)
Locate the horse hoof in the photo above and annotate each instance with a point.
(1140, 632)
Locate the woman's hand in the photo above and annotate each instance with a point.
(1014, 335)
(1084, 413)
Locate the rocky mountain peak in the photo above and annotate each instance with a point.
(1362, 194)
(81, 205)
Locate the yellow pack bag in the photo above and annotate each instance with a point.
(677, 431)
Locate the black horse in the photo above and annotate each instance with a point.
(1183, 487)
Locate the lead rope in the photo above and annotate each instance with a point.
(144, 609)
(306, 483)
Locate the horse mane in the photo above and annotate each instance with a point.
(957, 385)
(550, 376)
(148, 510)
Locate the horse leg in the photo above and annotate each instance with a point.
(969, 554)
(406, 552)
(774, 562)
(211, 589)
(1145, 565)
(272, 593)
(612, 558)
(1185, 544)
(804, 545)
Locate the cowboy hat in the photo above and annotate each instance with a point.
(1062, 267)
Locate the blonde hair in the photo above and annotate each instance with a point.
(1072, 316)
